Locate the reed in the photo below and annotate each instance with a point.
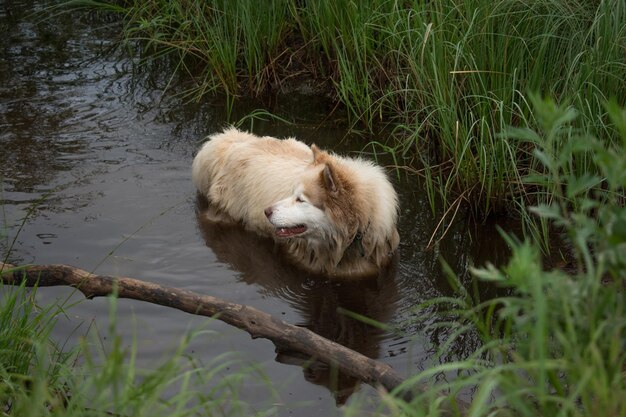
(448, 77)
(553, 344)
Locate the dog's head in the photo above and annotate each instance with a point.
(341, 208)
(320, 205)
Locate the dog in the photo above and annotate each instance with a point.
(329, 214)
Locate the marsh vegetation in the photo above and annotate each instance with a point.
(446, 78)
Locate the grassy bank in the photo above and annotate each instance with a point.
(446, 77)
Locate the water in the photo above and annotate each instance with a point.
(95, 172)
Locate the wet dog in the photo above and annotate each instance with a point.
(330, 214)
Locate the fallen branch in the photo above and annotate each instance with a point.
(257, 323)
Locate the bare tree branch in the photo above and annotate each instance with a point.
(257, 323)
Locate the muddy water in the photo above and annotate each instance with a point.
(95, 172)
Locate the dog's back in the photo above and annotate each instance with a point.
(242, 173)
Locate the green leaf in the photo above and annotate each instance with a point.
(581, 144)
(488, 273)
(524, 135)
(547, 211)
(618, 229)
(544, 159)
(537, 179)
(618, 117)
(579, 184)
(551, 115)
(566, 116)
(587, 204)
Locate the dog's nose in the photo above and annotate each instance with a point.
(268, 212)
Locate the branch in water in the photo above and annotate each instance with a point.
(257, 323)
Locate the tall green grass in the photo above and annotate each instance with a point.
(448, 77)
(211, 41)
(452, 76)
(554, 346)
(40, 378)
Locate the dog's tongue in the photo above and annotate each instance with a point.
(290, 231)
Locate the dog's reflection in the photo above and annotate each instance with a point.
(321, 303)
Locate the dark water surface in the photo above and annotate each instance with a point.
(96, 159)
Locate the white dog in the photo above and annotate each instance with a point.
(331, 215)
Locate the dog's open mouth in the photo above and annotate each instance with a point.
(290, 231)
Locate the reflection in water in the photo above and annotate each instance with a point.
(321, 302)
(34, 106)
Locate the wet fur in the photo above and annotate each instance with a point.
(348, 205)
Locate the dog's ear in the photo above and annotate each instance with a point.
(319, 156)
(329, 178)
(317, 153)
